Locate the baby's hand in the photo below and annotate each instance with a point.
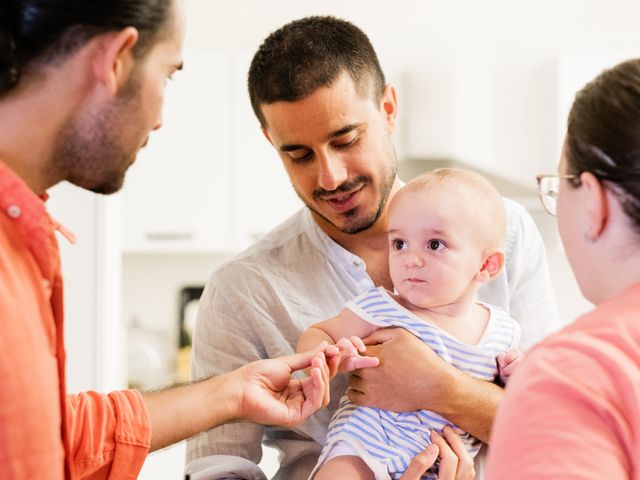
(347, 347)
(345, 356)
(507, 363)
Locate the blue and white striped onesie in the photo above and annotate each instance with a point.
(387, 441)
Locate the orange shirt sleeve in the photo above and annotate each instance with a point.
(109, 435)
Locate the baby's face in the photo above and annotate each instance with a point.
(435, 247)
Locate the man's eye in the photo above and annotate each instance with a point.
(347, 142)
(436, 245)
(298, 155)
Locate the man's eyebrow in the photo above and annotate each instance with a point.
(343, 131)
(291, 148)
(331, 136)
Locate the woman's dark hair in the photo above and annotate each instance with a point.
(603, 134)
(37, 32)
(309, 53)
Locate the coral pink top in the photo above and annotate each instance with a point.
(572, 409)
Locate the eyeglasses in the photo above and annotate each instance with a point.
(548, 189)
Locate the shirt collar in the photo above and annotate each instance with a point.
(20, 203)
(323, 242)
(328, 246)
(27, 213)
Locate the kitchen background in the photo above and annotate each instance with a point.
(485, 85)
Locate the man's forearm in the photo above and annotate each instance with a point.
(180, 412)
(471, 404)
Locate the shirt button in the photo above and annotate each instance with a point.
(14, 211)
(46, 285)
(356, 263)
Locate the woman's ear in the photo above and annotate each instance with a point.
(597, 206)
(492, 263)
(113, 58)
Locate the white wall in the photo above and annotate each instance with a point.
(91, 268)
(502, 56)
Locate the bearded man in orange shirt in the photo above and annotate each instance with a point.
(81, 87)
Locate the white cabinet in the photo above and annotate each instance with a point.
(177, 195)
(429, 117)
(208, 182)
(263, 196)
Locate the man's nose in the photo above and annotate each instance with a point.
(158, 124)
(331, 172)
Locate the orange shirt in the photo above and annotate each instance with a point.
(103, 436)
(572, 409)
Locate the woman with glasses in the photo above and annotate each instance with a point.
(572, 410)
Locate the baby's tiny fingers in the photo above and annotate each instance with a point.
(332, 350)
(346, 346)
(358, 343)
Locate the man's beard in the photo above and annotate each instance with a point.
(90, 150)
(354, 223)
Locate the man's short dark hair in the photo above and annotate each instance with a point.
(37, 32)
(309, 53)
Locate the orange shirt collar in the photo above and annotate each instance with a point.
(30, 218)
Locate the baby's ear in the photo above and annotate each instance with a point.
(492, 262)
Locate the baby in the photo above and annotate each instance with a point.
(446, 228)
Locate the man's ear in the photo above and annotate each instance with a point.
(113, 61)
(492, 263)
(389, 106)
(597, 205)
